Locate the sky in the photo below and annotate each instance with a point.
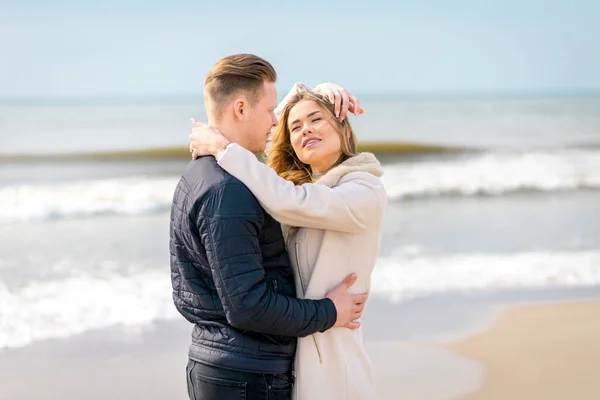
(67, 48)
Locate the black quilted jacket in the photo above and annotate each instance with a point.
(231, 276)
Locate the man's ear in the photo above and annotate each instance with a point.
(240, 108)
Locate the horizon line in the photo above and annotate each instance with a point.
(433, 95)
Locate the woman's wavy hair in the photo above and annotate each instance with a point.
(282, 157)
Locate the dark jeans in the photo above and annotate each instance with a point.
(211, 383)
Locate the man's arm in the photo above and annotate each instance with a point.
(230, 223)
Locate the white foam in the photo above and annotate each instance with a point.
(76, 304)
(489, 174)
(128, 196)
(411, 275)
(62, 308)
(496, 174)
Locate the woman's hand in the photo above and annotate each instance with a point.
(205, 140)
(341, 98)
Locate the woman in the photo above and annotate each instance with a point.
(331, 202)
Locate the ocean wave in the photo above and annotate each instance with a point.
(75, 304)
(491, 174)
(388, 147)
(121, 196)
(66, 307)
(495, 174)
(409, 276)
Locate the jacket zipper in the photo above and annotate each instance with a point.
(303, 293)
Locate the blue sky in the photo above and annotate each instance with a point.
(136, 48)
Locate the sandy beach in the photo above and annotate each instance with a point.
(549, 351)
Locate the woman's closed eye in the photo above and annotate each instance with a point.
(314, 120)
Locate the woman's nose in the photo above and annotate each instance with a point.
(306, 130)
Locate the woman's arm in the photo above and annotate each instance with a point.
(347, 207)
(298, 86)
(341, 98)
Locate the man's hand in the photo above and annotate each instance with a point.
(205, 140)
(341, 98)
(349, 306)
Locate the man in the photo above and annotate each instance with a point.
(230, 271)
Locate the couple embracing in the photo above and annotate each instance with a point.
(272, 261)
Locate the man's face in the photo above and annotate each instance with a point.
(261, 119)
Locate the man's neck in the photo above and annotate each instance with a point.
(229, 130)
(226, 130)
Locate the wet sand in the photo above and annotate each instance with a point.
(549, 351)
(469, 347)
(149, 363)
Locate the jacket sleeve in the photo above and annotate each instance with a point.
(346, 207)
(230, 223)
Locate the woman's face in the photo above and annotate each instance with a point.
(314, 136)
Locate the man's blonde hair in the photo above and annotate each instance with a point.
(235, 73)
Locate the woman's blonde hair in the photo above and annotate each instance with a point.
(282, 157)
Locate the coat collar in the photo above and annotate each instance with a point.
(362, 162)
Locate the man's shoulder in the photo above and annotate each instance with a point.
(206, 171)
(215, 189)
(202, 176)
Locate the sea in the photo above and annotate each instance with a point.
(509, 199)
